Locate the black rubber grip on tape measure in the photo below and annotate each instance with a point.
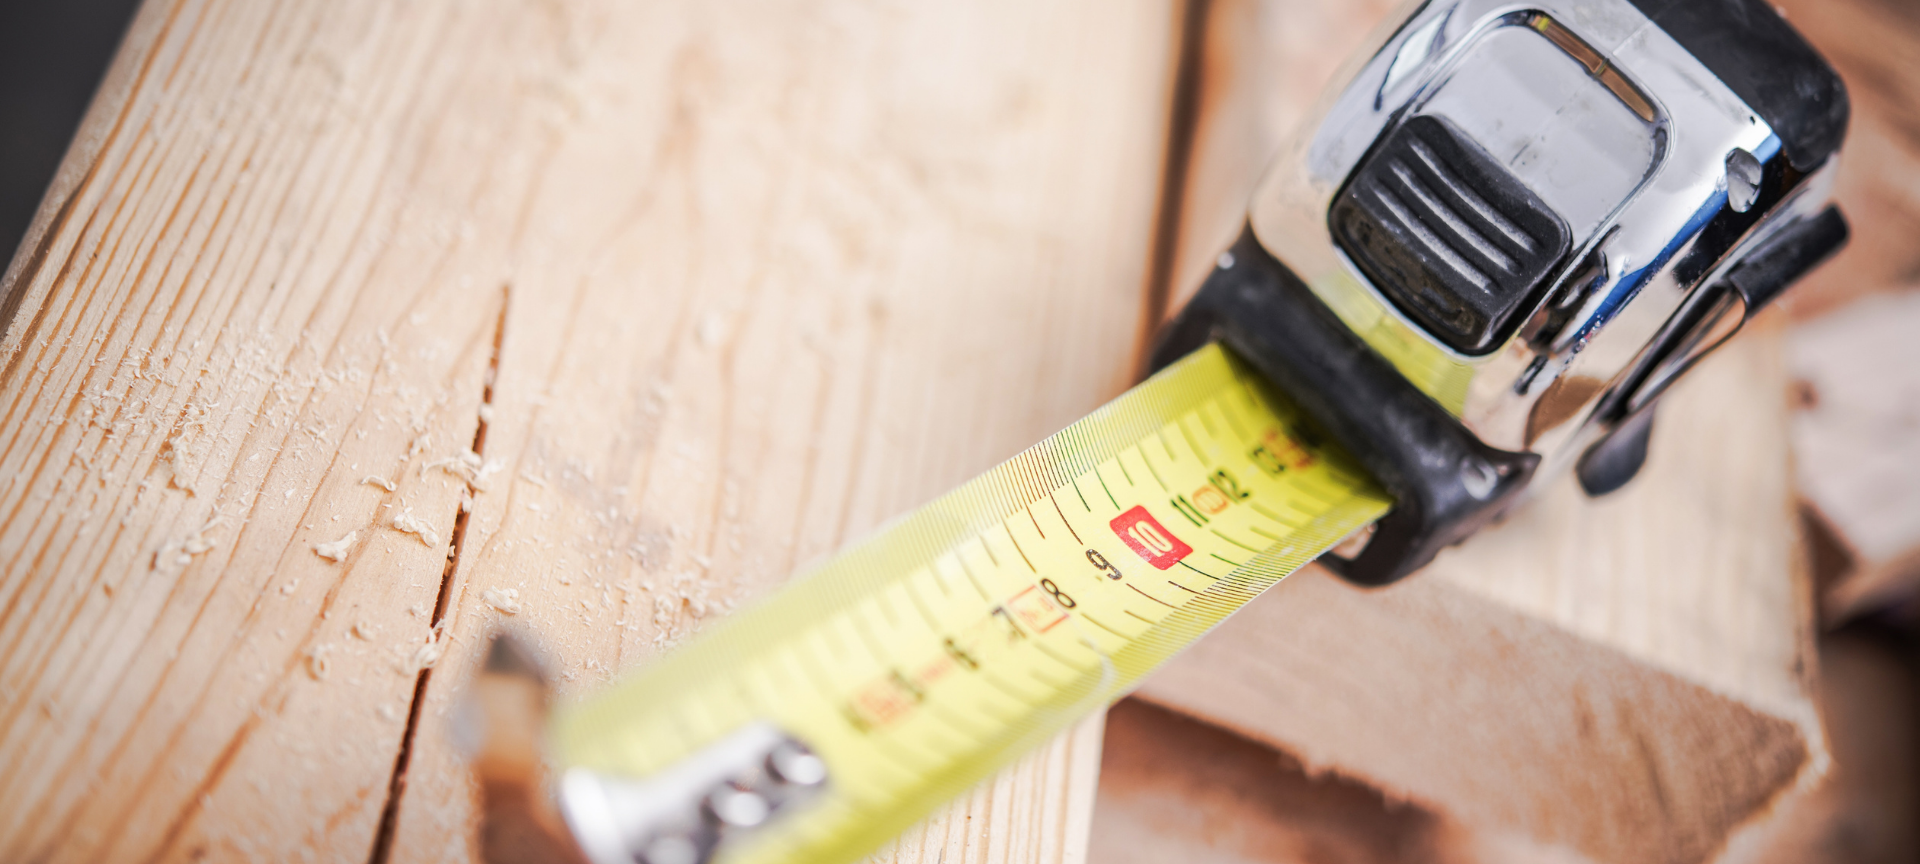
(1445, 482)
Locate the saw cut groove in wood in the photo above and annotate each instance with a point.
(471, 465)
(351, 331)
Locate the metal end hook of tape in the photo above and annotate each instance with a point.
(681, 816)
(743, 782)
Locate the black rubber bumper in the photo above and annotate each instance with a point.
(1445, 482)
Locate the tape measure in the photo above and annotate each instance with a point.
(820, 724)
(826, 720)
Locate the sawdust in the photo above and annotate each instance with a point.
(710, 331)
(466, 465)
(426, 655)
(180, 552)
(506, 600)
(407, 523)
(337, 550)
(317, 663)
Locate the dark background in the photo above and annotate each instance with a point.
(52, 56)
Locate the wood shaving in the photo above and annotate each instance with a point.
(317, 664)
(381, 482)
(466, 465)
(426, 655)
(507, 600)
(180, 552)
(196, 544)
(407, 523)
(337, 550)
(461, 464)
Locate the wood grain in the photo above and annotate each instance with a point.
(705, 290)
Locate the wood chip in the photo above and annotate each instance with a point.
(407, 523)
(337, 550)
(180, 552)
(317, 664)
(507, 600)
(426, 655)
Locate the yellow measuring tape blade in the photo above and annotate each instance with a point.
(932, 654)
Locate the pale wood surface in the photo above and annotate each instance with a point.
(711, 288)
(1625, 680)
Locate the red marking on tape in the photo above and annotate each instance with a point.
(1149, 539)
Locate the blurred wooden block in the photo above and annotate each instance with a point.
(1856, 439)
(1628, 678)
(1622, 680)
(353, 329)
(1864, 811)
(1872, 44)
(1173, 788)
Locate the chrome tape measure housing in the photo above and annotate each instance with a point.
(1539, 214)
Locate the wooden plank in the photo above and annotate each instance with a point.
(708, 290)
(1871, 44)
(1267, 63)
(1864, 809)
(1857, 449)
(1629, 679)
(1173, 788)
(1040, 809)
(1850, 465)
(1626, 679)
